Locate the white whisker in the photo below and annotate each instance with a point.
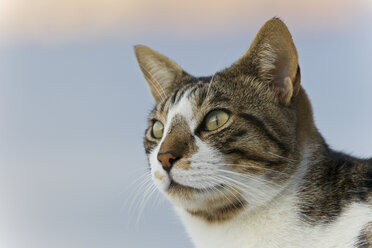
(140, 189)
(247, 166)
(147, 195)
(285, 158)
(209, 86)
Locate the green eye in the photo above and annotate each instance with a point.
(215, 119)
(157, 129)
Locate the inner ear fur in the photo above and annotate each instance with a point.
(272, 58)
(161, 73)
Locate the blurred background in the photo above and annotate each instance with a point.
(73, 104)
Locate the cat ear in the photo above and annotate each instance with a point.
(160, 72)
(272, 58)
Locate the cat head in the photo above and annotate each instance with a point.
(232, 140)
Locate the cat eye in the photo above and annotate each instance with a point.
(157, 130)
(215, 119)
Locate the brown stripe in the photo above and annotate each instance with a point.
(251, 157)
(194, 88)
(239, 133)
(163, 104)
(150, 141)
(258, 123)
(173, 99)
(219, 214)
(365, 237)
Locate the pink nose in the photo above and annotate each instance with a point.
(167, 160)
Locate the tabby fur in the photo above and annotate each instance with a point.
(266, 178)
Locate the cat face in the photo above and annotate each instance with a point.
(228, 141)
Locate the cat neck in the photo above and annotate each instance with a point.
(279, 210)
(273, 218)
(285, 221)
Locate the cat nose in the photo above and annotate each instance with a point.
(167, 160)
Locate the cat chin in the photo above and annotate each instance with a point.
(197, 199)
(177, 189)
(191, 200)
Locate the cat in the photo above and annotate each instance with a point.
(241, 160)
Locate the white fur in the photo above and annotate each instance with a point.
(201, 167)
(277, 226)
(197, 176)
(271, 218)
(184, 108)
(267, 58)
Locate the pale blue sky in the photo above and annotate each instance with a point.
(73, 113)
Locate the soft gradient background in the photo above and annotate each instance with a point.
(73, 103)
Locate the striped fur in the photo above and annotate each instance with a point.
(266, 177)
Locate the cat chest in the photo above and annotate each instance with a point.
(284, 231)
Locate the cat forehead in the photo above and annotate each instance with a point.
(200, 94)
(190, 94)
(183, 107)
(193, 100)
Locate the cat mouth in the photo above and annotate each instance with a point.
(177, 187)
